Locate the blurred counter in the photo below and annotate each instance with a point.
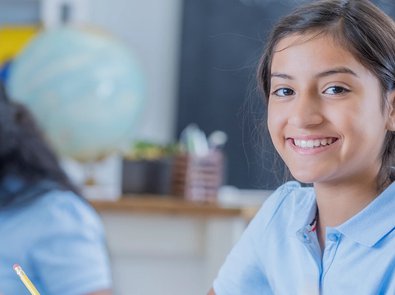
(166, 245)
(173, 206)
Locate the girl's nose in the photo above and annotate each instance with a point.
(306, 111)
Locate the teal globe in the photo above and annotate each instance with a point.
(85, 89)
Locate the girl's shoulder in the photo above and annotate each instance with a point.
(63, 200)
(56, 215)
(289, 203)
(65, 207)
(290, 196)
(55, 212)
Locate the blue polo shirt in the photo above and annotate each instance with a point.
(279, 251)
(59, 242)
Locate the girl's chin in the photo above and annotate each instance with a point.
(305, 178)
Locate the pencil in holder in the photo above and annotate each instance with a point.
(198, 178)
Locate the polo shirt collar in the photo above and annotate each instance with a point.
(305, 212)
(374, 221)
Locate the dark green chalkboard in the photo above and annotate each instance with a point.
(221, 43)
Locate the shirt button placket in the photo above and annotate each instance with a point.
(311, 244)
(332, 242)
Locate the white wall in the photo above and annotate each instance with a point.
(151, 28)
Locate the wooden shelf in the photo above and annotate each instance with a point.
(171, 206)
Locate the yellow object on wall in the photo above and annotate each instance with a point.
(13, 39)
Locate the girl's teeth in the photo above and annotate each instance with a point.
(313, 143)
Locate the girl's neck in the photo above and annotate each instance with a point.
(338, 203)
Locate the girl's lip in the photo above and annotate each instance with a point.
(312, 150)
(312, 137)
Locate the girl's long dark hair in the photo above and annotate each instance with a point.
(360, 27)
(24, 152)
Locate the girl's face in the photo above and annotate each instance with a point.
(324, 113)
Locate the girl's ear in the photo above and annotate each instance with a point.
(391, 111)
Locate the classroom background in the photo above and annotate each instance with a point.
(168, 141)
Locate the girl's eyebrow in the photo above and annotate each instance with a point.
(334, 71)
(283, 76)
(340, 70)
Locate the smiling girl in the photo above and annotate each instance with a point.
(328, 76)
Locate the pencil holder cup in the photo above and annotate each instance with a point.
(198, 178)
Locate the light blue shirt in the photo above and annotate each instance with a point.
(59, 242)
(279, 251)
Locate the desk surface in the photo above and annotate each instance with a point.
(171, 206)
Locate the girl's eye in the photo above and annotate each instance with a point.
(283, 92)
(335, 90)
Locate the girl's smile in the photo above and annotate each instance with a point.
(311, 145)
(325, 115)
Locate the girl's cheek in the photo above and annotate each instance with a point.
(275, 117)
(273, 129)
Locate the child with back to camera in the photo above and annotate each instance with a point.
(45, 226)
(328, 76)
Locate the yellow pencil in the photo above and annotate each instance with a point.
(25, 280)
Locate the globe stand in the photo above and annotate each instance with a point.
(89, 171)
(99, 179)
